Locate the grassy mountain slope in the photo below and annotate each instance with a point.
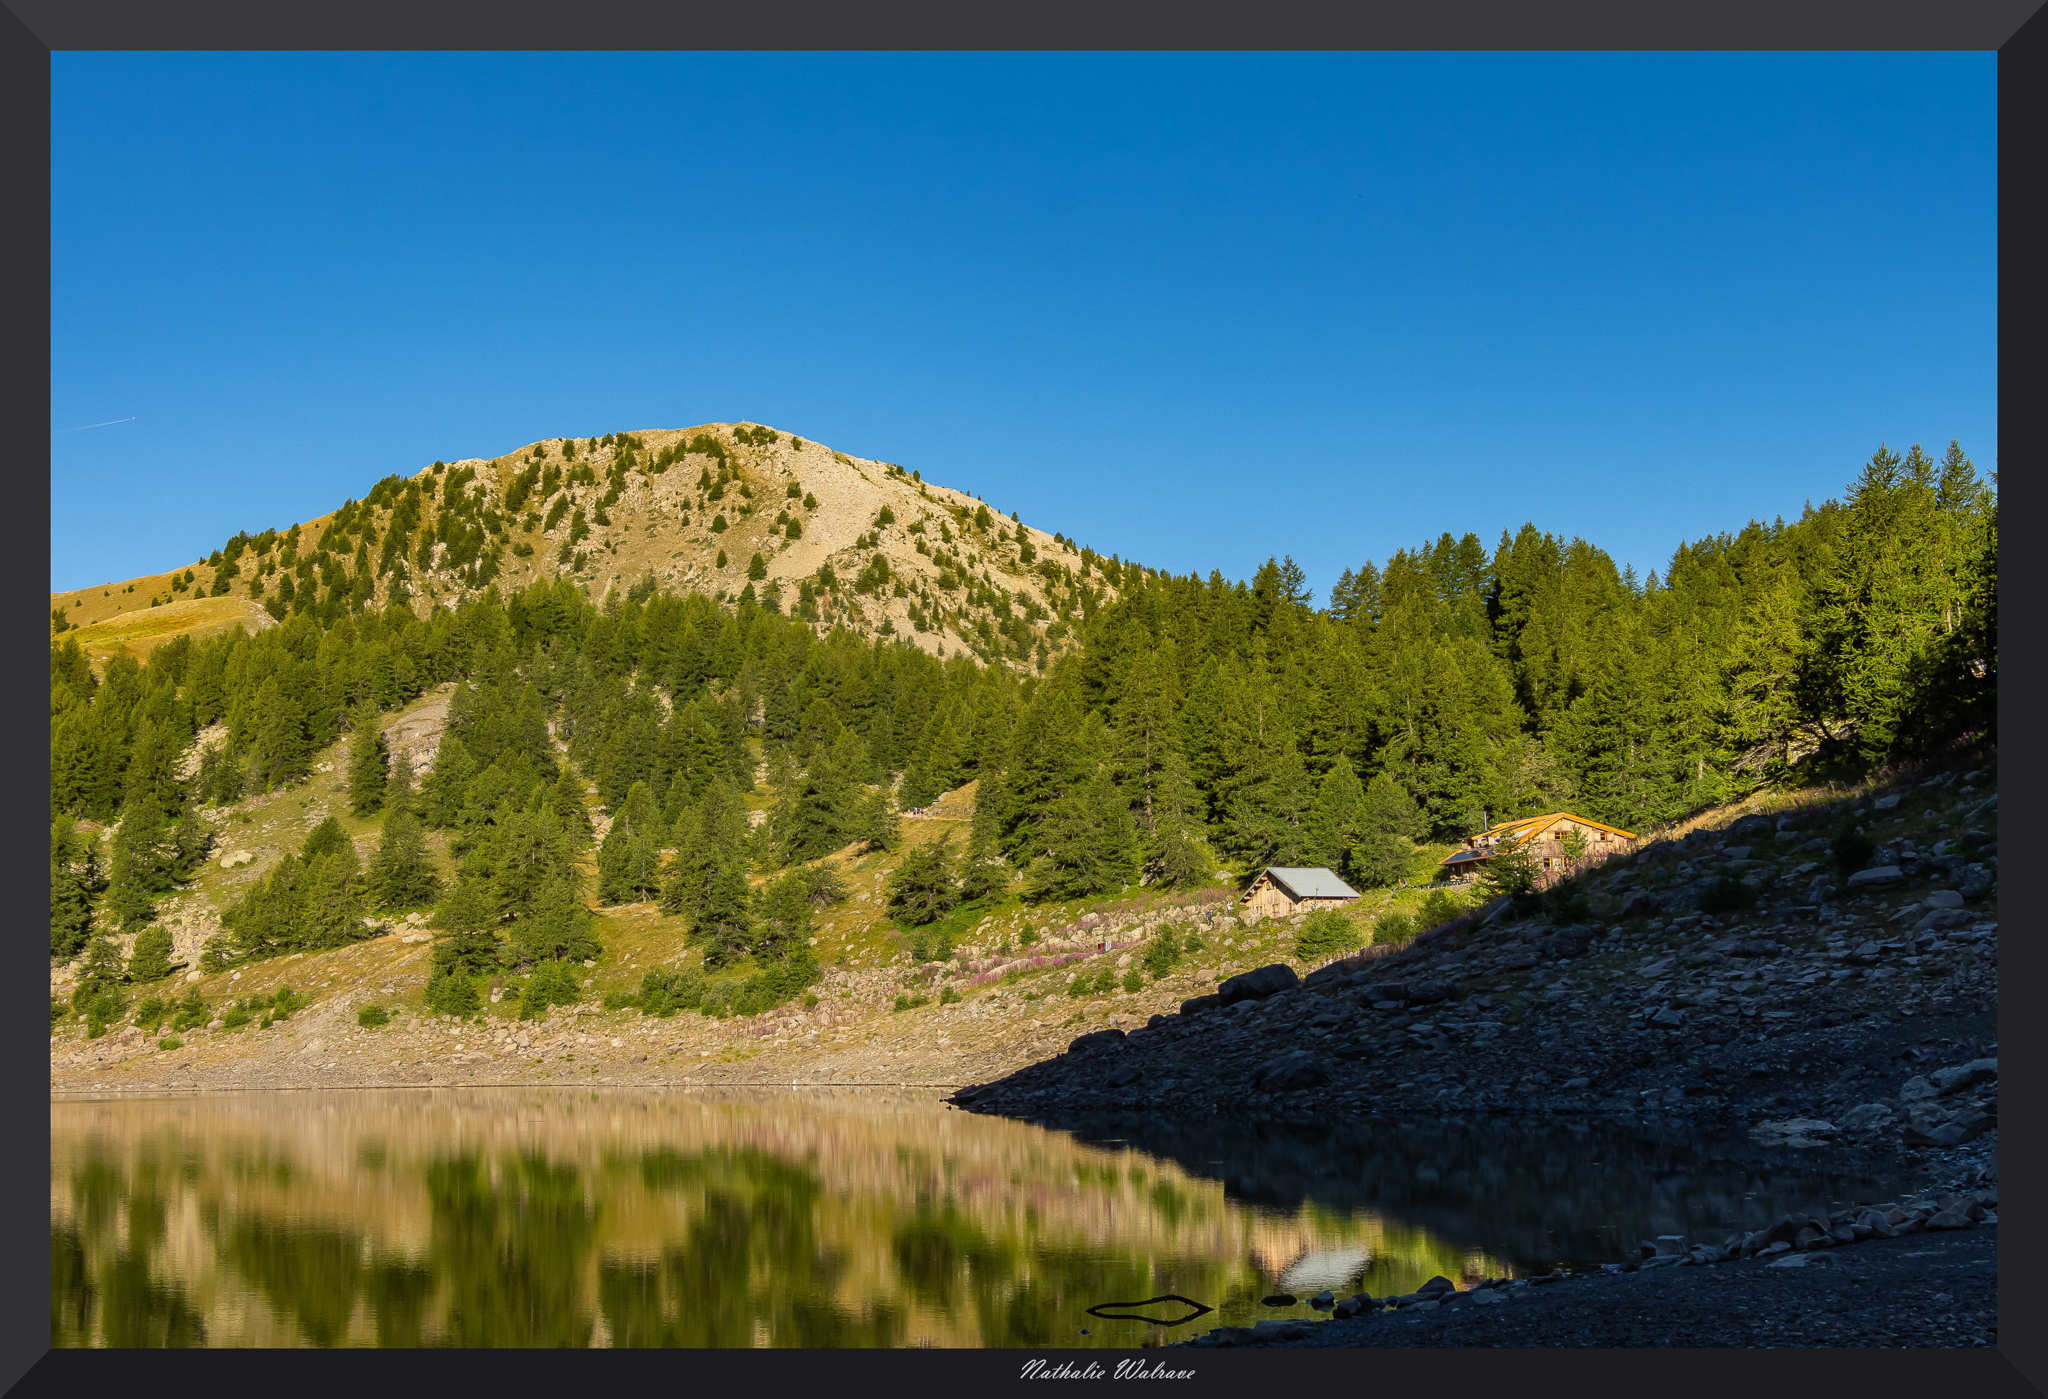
(662, 503)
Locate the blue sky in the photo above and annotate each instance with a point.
(1194, 310)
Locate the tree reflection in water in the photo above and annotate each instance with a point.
(802, 1218)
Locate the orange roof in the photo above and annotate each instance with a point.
(1529, 827)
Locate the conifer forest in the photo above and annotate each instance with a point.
(1191, 725)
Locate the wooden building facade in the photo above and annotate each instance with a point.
(1279, 892)
(1544, 837)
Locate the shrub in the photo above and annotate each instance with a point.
(885, 516)
(373, 1017)
(908, 1002)
(1438, 909)
(810, 501)
(757, 568)
(794, 492)
(191, 1012)
(1096, 983)
(170, 1042)
(1163, 953)
(59, 1009)
(793, 530)
(451, 993)
(721, 558)
(1392, 929)
(151, 1013)
(235, 1018)
(1327, 932)
(1134, 980)
(950, 997)
(552, 984)
(285, 1002)
(718, 524)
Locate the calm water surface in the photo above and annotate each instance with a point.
(752, 1217)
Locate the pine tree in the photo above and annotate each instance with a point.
(1178, 856)
(369, 760)
(150, 958)
(572, 812)
(1389, 825)
(402, 873)
(1338, 817)
(278, 744)
(1084, 844)
(191, 842)
(558, 929)
(74, 881)
(876, 826)
(445, 789)
(141, 866)
(401, 790)
(923, 888)
(96, 994)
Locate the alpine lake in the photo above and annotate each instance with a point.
(774, 1217)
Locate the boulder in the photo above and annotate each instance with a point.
(1639, 905)
(1389, 991)
(1296, 1069)
(1748, 827)
(1124, 1073)
(1877, 878)
(1964, 1075)
(1100, 1039)
(1942, 898)
(1887, 803)
(1428, 992)
(1437, 1285)
(1865, 1115)
(1259, 983)
(1973, 881)
(1194, 1005)
(1279, 1330)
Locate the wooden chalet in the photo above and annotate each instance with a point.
(1279, 891)
(1543, 837)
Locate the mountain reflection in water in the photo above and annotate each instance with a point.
(755, 1218)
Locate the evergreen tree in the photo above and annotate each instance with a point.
(1338, 818)
(191, 842)
(150, 958)
(327, 838)
(402, 872)
(445, 790)
(923, 888)
(141, 866)
(278, 743)
(369, 760)
(558, 929)
(1177, 856)
(1084, 844)
(1389, 825)
(401, 793)
(74, 881)
(876, 826)
(97, 992)
(572, 812)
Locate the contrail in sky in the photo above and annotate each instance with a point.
(109, 423)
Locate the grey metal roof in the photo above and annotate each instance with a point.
(1312, 883)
